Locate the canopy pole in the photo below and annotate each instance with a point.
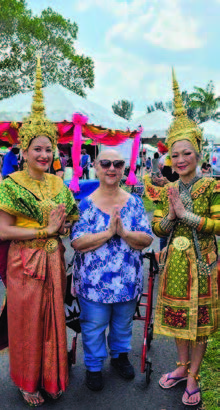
(142, 150)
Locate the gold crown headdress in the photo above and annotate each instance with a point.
(37, 124)
(182, 128)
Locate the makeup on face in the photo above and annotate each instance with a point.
(184, 157)
(39, 154)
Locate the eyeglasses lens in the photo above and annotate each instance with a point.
(106, 163)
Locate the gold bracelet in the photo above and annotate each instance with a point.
(66, 233)
(41, 233)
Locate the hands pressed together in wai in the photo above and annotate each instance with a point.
(57, 220)
(176, 207)
(116, 225)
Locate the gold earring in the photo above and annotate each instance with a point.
(25, 165)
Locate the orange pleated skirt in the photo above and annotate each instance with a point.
(36, 285)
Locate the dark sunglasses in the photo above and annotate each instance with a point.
(117, 163)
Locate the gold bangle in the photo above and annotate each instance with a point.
(66, 233)
(41, 234)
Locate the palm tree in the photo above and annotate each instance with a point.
(204, 102)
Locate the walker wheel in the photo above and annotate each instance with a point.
(72, 353)
(148, 370)
(74, 350)
(70, 358)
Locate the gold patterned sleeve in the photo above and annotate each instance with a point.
(211, 224)
(71, 207)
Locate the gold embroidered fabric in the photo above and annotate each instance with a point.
(187, 305)
(24, 197)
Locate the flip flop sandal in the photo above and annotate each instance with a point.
(176, 379)
(197, 390)
(36, 395)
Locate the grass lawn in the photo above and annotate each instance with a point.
(210, 374)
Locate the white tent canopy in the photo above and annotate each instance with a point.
(155, 123)
(211, 131)
(149, 148)
(61, 104)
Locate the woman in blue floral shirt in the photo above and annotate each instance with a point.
(108, 239)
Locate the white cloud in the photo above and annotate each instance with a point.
(163, 23)
(119, 76)
(173, 30)
(110, 6)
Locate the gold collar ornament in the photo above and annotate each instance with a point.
(36, 123)
(182, 128)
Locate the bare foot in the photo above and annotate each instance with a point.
(32, 399)
(180, 371)
(191, 386)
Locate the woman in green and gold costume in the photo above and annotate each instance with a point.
(188, 212)
(35, 209)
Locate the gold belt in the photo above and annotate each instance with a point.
(183, 243)
(49, 245)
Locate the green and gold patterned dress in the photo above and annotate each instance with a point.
(187, 305)
(31, 201)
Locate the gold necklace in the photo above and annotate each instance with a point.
(41, 186)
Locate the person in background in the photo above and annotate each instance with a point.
(206, 169)
(85, 163)
(167, 171)
(155, 165)
(10, 163)
(138, 165)
(56, 166)
(112, 230)
(148, 164)
(63, 160)
(1, 163)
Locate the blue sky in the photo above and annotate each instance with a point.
(135, 43)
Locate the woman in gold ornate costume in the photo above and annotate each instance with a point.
(188, 212)
(35, 208)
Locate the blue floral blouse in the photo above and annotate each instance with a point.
(113, 272)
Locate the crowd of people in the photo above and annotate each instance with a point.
(108, 232)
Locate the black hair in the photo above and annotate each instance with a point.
(15, 150)
(156, 155)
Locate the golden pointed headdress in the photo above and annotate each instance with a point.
(37, 124)
(182, 128)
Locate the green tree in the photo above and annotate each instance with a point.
(204, 102)
(24, 36)
(201, 105)
(157, 105)
(123, 108)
